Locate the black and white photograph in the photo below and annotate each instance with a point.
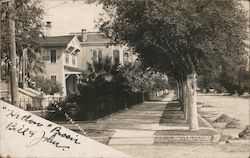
(125, 79)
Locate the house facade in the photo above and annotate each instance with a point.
(61, 56)
(66, 57)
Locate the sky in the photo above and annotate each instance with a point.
(67, 16)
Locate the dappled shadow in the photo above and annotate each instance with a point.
(173, 115)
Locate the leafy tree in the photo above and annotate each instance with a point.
(47, 86)
(232, 78)
(178, 37)
(132, 76)
(136, 78)
(235, 79)
(29, 27)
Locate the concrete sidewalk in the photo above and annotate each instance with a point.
(139, 124)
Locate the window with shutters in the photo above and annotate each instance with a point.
(116, 57)
(53, 56)
(99, 55)
(126, 56)
(53, 78)
(95, 56)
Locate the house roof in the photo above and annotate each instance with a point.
(96, 37)
(59, 41)
(55, 40)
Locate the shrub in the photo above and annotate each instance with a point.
(106, 88)
(48, 86)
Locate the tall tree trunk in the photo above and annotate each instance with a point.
(177, 90)
(192, 101)
(181, 94)
(143, 97)
(185, 99)
(0, 41)
(125, 101)
(13, 75)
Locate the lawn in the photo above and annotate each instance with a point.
(236, 108)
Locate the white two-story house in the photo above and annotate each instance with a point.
(61, 55)
(66, 57)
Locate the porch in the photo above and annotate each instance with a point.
(71, 79)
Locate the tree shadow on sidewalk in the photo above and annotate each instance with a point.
(174, 116)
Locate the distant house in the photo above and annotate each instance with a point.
(95, 47)
(61, 55)
(66, 57)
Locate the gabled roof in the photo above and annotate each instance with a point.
(55, 40)
(63, 41)
(96, 37)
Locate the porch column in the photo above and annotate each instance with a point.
(64, 84)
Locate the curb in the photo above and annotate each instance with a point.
(188, 139)
(171, 139)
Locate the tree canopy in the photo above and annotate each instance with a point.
(29, 24)
(28, 29)
(104, 77)
(179, 37)
(184, 34)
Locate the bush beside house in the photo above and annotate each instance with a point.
(106, 88)
(47, 86)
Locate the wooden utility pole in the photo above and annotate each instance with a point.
(0, 40)
(13, 70)
(24, 68)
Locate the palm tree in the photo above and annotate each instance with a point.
(99, 73)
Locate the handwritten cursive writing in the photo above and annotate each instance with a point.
(26, 118)
(57, 131)
(13, 126)
(51, 136)
(47, 139)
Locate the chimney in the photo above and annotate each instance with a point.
(48, 28)
(84, 35)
